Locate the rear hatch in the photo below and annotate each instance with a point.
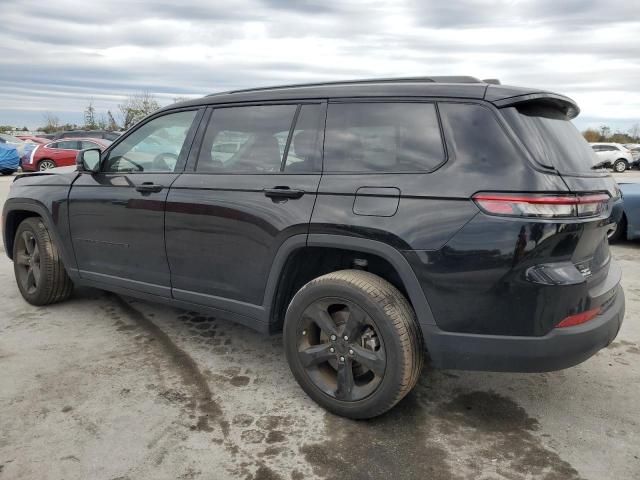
(546, 130)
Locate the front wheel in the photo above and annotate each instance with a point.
(40, 274)
(352, 343)
(620, 165)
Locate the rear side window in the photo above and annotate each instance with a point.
(382, 137)
(551, 138)
(68, 144)
(246, 139)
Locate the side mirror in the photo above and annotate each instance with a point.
(88, 160)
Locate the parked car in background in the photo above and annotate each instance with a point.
(111, 136)
(379, 219)
(60, 153)
(33, 139)
(613, 155)
(629, 225)
(9, 159)
(13, 141)
(634, 148)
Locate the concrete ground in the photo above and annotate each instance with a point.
(101, 387)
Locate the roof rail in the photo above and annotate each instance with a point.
(436, 79)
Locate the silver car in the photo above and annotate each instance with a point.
(613, 155)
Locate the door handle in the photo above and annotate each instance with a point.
(283, 192)
(148, 187)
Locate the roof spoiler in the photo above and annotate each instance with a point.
(565, 104)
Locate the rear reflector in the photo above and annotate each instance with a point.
(578, 318)
(542, 205)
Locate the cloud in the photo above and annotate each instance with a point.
(58, 55)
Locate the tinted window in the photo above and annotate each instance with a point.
(85, 144)
(551, 138)
(304, 151)
(246, 139)
(382, 137)
(475, 138)
(68, 144)
(154, 147)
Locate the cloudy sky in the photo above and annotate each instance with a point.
(56, 55)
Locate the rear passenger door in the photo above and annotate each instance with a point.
(251, 183)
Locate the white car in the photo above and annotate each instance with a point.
(613, 155)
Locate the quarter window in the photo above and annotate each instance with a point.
(154, 147)
(382, 137)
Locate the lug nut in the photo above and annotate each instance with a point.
(346, 338)
(341, 358)
(304, 332)
(332, 349)
(333, 338)
(350, 352)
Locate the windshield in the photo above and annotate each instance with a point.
(551, 138)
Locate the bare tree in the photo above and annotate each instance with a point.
(112, 125)
(591, 135)
(51, 123)
(634, 132)
(90, 117)
(136, 107)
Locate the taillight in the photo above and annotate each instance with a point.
(542, 205)
(578, 318)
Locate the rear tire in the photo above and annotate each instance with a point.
(620, 231)
(46, 164)
(40, 274)
(620, 165)
(381, 361)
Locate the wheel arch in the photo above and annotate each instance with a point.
(284, 276)
(16, 210)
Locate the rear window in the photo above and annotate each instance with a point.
(551, 138)
(382, 137)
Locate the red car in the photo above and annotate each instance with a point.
(60, 153)
(33, 139)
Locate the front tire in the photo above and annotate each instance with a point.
(353, 343)
(40, 274)
(620, 165)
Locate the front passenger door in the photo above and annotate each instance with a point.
(117, 214)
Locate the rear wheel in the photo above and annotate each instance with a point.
(619, 232)
(37, 265)
(46, 164)
(353, 343)
(620, 165)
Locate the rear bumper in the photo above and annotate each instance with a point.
(560, 348)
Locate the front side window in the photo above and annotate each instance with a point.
(382, 137)
(154, 147)
(84, 144)
(249, 139)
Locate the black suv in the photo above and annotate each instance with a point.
(369, 221)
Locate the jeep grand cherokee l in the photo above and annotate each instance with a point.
(369, 221)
